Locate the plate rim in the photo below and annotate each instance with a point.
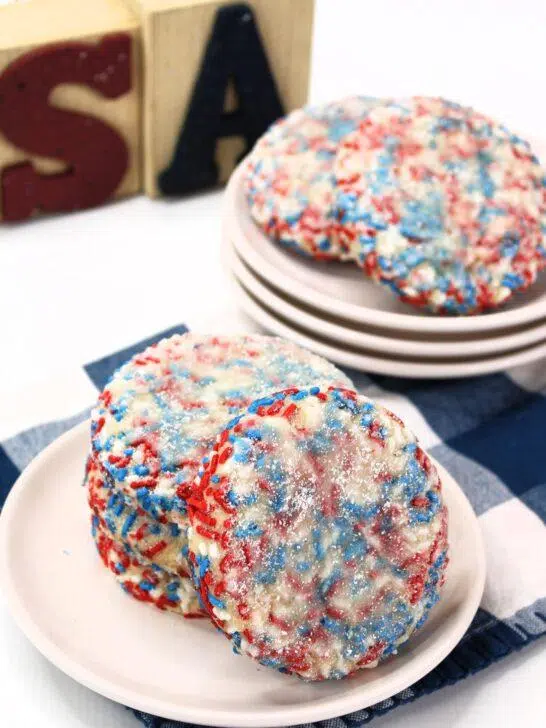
(342, 704)
(231, 228)
(379, 343)
(380, 364)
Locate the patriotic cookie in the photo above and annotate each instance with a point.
(145, 582)
(318, 537)
(289, 183)
(441, 204)
(161, 412)
(153, 541)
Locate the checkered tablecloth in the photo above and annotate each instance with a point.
(489, 432)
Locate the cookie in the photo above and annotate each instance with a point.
(441, 204)
(151, 540)
(144, 581)
(289, 182)
(318, 538)
(161, 412)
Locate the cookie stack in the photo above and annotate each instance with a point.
(244, 479)
(155, 422)
(434, 200)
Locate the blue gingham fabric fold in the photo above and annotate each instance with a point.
(489, 432)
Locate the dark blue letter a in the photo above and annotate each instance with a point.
(234, 51)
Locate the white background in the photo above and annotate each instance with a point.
(74, 287)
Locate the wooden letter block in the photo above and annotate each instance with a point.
(216, 74)
(69, 105)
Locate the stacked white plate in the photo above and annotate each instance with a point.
(333, 310)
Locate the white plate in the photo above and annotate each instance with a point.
(341, 290)
(69, 606)
(368, 361)
(362, 337)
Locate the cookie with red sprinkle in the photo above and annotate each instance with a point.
(441, 204)
(318, 539)
(146, 582)
(153, 541)
(160, 413)
(289, 182)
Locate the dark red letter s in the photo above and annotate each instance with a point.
(97, 157)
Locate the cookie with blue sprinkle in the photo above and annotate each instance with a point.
(441, 204)
(142, 580)
(318, 538)
(289, 181)
(153, 540)
(160, 413)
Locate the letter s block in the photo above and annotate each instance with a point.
(69, 106)
(217, 73)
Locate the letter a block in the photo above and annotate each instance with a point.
(217, 74)
(70, 133)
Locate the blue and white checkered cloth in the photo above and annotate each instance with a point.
(489, 432)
